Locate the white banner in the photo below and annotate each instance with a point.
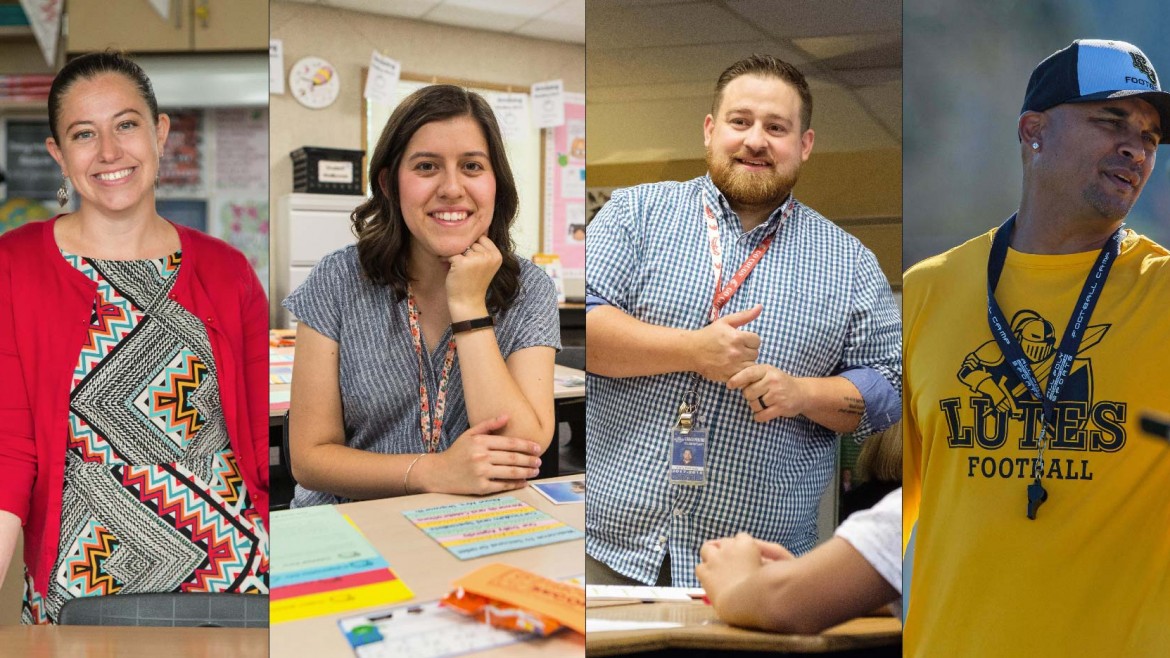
(44, 16)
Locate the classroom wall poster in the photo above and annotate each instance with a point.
(240, 197)
(182, 169)
(564, 194)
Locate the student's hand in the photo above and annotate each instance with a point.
(722, 349)
(480, 462)
(771, 552)
(726, 562)
(470, 276)
(781, 393)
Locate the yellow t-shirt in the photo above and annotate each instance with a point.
(1091, 575)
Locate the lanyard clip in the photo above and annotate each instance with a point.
(688, 409)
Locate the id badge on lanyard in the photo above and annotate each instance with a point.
(688, 437)
(688, 448)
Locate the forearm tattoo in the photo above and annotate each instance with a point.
(853, 406)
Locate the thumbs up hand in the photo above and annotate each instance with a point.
(722, 349)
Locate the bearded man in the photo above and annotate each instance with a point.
(726, 317)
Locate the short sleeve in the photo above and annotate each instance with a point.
(876, 533)
(320, 300)
(533, 320)
(612, 252)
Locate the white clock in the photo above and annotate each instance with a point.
(314, 82)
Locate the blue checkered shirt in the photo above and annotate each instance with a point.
(827, 310)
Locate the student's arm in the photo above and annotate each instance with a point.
(623, 346)
(829, 585)
(9, 531)
(520, 388)
(477, 463)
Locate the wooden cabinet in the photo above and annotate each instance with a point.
(231, 25)
(193, 25)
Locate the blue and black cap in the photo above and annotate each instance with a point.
(1095, 70)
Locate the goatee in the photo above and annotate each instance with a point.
(748, 188)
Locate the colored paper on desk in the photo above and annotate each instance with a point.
(279, 400)
(322, 565)
(425, 630)
(279, 374)
(570, 381)
(528, 591)
(642, 593)
(486, 527)
(560, 493)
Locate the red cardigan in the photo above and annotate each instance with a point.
(45, 308)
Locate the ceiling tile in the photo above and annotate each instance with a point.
(845, 44)
(817, 18)
(636, 66)
(622, 26)
(564, 22)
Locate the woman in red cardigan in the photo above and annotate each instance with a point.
(133, 357)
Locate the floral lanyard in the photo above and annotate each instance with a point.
(430, 424)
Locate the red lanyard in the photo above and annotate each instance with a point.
(724, 293)
(430, 424)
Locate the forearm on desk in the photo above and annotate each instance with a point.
(520, 388)
(829, 585)
(356, 474)
(623, 346)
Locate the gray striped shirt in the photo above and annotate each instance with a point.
(379, 369)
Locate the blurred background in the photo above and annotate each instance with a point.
(650, 74)
(966, 69)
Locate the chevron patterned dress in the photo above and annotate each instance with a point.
(153, 499)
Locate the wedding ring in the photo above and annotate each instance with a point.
(762, 405)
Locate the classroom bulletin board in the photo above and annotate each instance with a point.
(564, 189)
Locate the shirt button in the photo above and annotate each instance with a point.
(679, 512)
(662, 540)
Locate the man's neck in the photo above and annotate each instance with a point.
(1057, 233)
(752, 216)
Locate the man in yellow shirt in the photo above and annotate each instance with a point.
(1036, 512)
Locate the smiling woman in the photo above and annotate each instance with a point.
(425, 352)
(133, 354)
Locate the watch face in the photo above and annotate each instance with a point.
(314, 82)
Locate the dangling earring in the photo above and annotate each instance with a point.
(63, 192)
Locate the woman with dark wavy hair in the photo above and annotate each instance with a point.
(424, 359)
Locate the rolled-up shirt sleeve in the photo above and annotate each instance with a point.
(872, 358)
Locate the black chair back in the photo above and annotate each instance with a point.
(170, 609)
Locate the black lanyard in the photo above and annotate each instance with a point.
(1066, 352)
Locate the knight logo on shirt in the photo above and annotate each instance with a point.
(999, 411)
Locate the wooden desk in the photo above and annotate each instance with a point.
(428, 570)
(101, 641)
(702, 631)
